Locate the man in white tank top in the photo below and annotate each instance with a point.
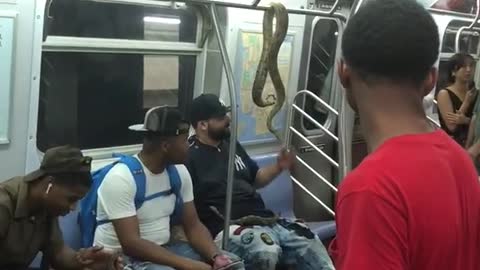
(144, 233)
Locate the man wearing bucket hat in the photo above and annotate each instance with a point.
(30, 205)
(143, 233)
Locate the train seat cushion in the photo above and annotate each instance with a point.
(278, 197)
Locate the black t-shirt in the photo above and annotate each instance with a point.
(208, 167)
(460, 134)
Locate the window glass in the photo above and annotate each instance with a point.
(320, 73)
(122, 21)
(469, 39)
(463, 6)
(90, 99)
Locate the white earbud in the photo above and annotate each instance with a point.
(48, 188)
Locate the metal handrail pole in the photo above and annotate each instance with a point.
(305, 139)
(311, 12)
(233, 127)
(344, 151)
(256, 2)
(317, 174)
(433, 121)
(324, 129)
(459, 33)
(317, 99)
(312, 195)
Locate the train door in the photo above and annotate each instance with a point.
(315, 171)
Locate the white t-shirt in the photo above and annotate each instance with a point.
(429, 106)
(116, 197)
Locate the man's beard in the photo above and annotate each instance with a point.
(219, 135)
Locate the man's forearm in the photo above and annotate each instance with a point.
(201, 240)
(266, 175)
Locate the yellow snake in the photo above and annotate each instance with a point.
(269, 63)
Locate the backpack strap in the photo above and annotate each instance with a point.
(87, 216)
(136, 169)
(138, 173)
(158, 194)
(176, 186)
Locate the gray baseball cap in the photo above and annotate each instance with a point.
(164, 121)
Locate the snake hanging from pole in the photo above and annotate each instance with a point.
(272, 41)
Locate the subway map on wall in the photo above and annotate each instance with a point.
(252, 124)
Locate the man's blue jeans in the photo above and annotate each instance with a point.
(179, 248)
(285, 243)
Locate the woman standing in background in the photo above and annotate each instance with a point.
(456, 101)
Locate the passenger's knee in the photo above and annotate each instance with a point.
(146, 266)
(262, 260)
(259, 249)
(315, 256)
(232, 256)
(159, 267)
(258, 257)
(314, 246)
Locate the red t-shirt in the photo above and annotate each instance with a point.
(413, 204)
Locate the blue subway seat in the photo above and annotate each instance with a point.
(71, 235)
(278, 197)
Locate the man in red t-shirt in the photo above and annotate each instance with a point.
(414, 202)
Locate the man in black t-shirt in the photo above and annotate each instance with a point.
(261, 246)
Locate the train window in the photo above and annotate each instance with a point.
(122, 21)
(469, 39)
(463, 6)
(321, 73)
(90, 99)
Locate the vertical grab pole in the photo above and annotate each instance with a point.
(288, 135)
(345, 158)
(233, 137)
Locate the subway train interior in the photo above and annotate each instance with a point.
(80, 72)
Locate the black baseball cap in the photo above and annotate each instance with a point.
(62, 159)
(207, 106)
(164, 121)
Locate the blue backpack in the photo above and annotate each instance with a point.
(87, 218)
